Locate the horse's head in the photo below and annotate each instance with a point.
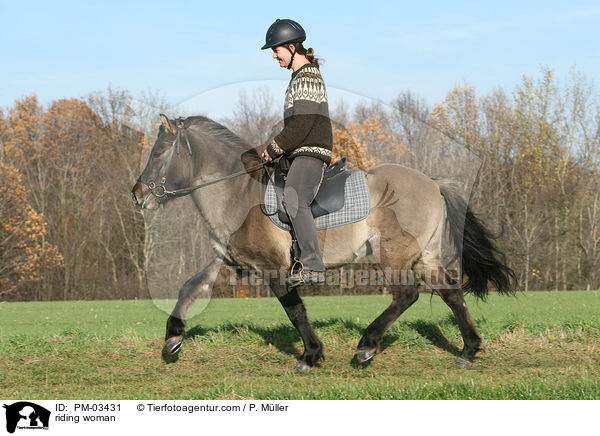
(167, 168)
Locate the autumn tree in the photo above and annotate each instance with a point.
(73, 140)
(345, 144)
(25, 255)
(121, 227)
(22, 147)
(581, 110)
(538, 151)
(410, 118)
(3, 136)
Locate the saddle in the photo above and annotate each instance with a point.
(329, 198)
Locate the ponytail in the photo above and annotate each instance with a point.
(309, 53)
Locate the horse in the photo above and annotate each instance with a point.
(410, 216)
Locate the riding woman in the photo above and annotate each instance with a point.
(306, 141)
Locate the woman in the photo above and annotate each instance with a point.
(306, 140)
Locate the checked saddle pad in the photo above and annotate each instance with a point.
(356, 201)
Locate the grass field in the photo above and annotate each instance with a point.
(540, 345)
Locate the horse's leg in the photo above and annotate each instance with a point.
(403, 297)
(453, 297)
(399, 250)
(296, 312)
(187, 294)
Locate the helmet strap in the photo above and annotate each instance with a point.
(293, 53)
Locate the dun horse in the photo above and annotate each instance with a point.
(410, 215)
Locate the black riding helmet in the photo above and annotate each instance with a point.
(284, 32)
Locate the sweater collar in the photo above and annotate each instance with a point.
(300, 69)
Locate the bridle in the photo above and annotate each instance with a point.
(159, 189)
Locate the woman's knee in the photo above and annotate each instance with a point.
(297, 198)
(290, 200)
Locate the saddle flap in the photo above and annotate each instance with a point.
(330, 196)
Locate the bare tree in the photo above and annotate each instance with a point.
(255, 118)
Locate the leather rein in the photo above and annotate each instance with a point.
(160, 191)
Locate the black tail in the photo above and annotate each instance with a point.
(482, 262)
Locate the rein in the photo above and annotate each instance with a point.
(159, 190)
(186, 191)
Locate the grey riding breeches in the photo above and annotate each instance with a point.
(302, 184)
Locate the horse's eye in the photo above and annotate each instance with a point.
(157, 154)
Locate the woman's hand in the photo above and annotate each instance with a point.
(266, 156)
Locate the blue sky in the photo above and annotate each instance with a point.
(184, 49)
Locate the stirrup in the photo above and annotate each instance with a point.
(295, 279)
(297, 261)
(303, 277)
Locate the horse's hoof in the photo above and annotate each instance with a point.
(173, 345)
(363, 356)
(463, 363)
(302, 366)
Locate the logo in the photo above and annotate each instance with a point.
(26, 415)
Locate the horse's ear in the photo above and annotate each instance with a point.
(167, 123)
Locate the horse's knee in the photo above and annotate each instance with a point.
(453, 298)
(412, 294)
(406, 296)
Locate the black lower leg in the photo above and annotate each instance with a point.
(188, 293)
(455, 300)
(296, 312)
(175, 327)
(373, 334)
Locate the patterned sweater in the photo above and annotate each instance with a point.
(307, 127)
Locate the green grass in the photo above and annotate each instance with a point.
(540, 345)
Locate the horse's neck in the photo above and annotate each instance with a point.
(225, 205)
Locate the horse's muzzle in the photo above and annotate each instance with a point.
(140, 194)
